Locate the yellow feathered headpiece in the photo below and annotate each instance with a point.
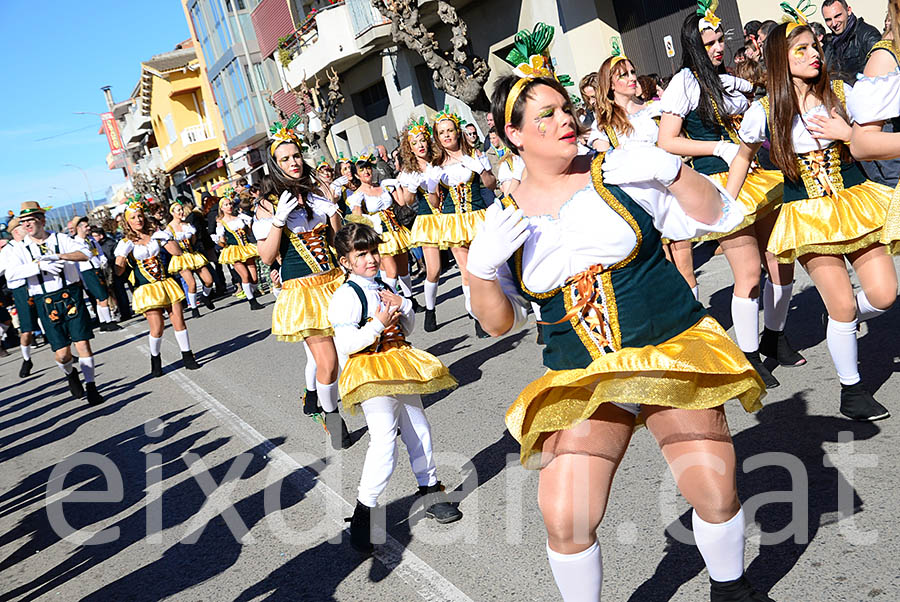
(530, 56)
(797, 16)
(707, 11)
(285, 133)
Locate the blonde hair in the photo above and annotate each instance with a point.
(607, 112)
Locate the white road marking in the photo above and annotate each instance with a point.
(418, 574)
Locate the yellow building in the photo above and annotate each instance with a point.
(176, 96)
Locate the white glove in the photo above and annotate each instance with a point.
(51, 267)
(49, 257)
(726, 151)
(473, 164)
(342, 181)
(433, 178)
(124, 248)
(103, 261)
(485, 162)
(286, 204)
(504, 230)
(389, 183)
(640, 164)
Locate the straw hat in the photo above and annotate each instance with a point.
(30, 208)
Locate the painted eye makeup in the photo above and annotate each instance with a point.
(799, 50)
(545, 113)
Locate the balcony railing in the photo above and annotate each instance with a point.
(193, 134)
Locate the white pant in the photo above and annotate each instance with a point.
(383, 416)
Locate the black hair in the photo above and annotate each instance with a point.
(767, 26)
(277, 182)
(696, 60)
(751, 27)
(830, 2)
(354, 236)
(498, 105)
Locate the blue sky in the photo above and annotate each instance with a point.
(57, 54)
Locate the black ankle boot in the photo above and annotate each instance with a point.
(187, 358)
(254, 304)
(75, 388)
(416, 307)
(156, 366)
(767, 377)
(479, 331)
(774, 344)
(311, 403)
(361, 529)
(437, 505)
(25, 370)
(858, 404)
(93, 395)
(195, 312)
(738, 590)
(430, 321)
(207, 300)
(337, 428)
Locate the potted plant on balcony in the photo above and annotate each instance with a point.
(284, 53)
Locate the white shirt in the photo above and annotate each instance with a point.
(141, 252)
(875, 98)
(682, 95)
(21, 263)
(374, 203)
(186, 232)
(646, 131)
(94, 254)
(345, 312)
(236, 223)
(5, 252)
(297, 221)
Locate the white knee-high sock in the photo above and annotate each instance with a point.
(276, 290)
(3, 329)
(26, 352)
(391, 282)
(745, 315)
(248, 290)
(328, 395)
(87, 368)
(776, 301)
(866, 309)
(66, 367)
(406, 285)
(696, 290)
(579, 576)
(430, 294)
(155, 345)
(310, 368)
(468, 297)
(104, 314)
(841, 338)
(721, 545)
(192, 300)
(184, 343)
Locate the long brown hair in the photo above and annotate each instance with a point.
(608, 113)
(440, 153)
(150, 226)
(409, 162)
(784, 106)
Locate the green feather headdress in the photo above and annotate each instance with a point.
(530, 57)
(285, 133)
(797, 16)
(618, 55)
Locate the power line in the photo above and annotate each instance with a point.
(65, 133)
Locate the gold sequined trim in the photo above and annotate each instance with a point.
(612, 309)
(615, 205)
(579, 327)
(886, 45)
(844, 248)
(613, 138)
(305, 334)
(350, 401)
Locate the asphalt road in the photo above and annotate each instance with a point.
(212, 484)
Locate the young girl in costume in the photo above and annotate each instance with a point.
(385, 376)
(154, 292)
(375, 201)
(189, 261)
(831, 212)
(699, 108)
(345, 184)
(232, 228)
(466, 190)
(625, 339)
(298, 236)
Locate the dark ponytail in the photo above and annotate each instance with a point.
(695, 59)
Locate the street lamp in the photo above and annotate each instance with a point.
(88, 182)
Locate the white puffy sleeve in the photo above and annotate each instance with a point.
(262, 228)
(682, 95)
(124, 248)
(671, 220)
(188, 230)
(161, 236)
(753, 126)
(322, 205)
(596, 135)
(344, 313)
(518, 303)
(356, 199)
(220, 231)
(875, 98)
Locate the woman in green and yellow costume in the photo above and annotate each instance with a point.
(699, 111)
(189, 261)
(154, 292)
(299, 236)
(233, 230)
(626, 342)
(831, 212)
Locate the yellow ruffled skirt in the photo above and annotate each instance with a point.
(401, 370)
(848, 221)
(301, 310)
(231, 254)
(447, 230)
(891, 232)
(393, 242)
(700, 368)
(760, 195)
(187, 261)
(156, 295)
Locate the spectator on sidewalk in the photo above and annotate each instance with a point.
(490, 123)
(851, 40)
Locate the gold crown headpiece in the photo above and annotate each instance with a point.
(707, 11)
(342, 159)
(446, 113)
(530, 57)
(322, 162)
(419, 127)
(135, 204)
(797, 16)
(285, 133)
(367, 157)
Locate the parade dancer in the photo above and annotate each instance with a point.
(154, 292)
(699, 107)
(24, 304)
(376, 202)
(48, 263)
(831, 212)
(625, 338)
(231, 231)
(345, 184)
(386, 377)
(466, 189)
(189, 261)
(299, 233)
(90, 273)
